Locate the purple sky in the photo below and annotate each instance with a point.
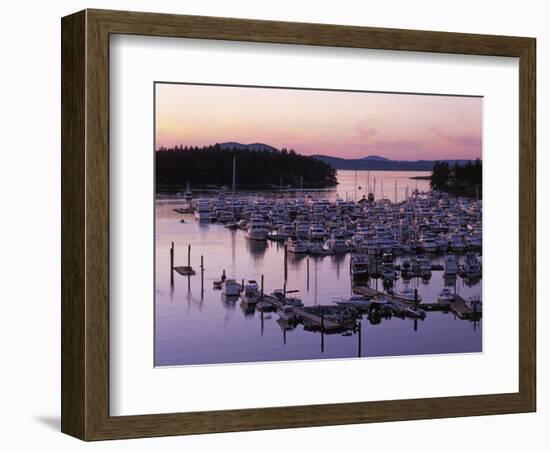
(343, 124)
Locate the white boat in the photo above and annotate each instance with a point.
(359, 264)
(317, 231)
(424, 266)
(471, 267)
(408, 294)
(451, 266)
(415, 313)
(286, 312)
(302, 229)
(188, 196)
(231, 288)
(296, 246)
(250, 295)
(428, 244)
(202, 210)
(256, 229)
(357, 301)
(287, 297)
(316, 248)
(372, 246)
(446, 295)
(456, 244)
(442, 244)
(474, 302)
(474, 241)
(336, 244)
(388, 274)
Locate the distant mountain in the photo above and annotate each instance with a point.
(375, 158)
(378, 163)
(257, 147)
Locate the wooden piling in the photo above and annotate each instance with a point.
(172, 264)
(202, 273)
(262, 293)
(262, 322)
(286, 261)
(416, 299)
(307, 265)
(189, 255)
(322, 330)
(359, 339)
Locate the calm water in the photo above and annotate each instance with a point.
(195, 328)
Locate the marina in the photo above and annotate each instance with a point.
(390, 269)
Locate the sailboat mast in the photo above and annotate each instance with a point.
(395, 191)
(355, 189)
(368, 181)
(234, 174)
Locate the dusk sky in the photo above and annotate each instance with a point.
(342, 124)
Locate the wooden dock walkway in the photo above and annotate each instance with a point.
(317, 320)
(458, 306)
(303, 313)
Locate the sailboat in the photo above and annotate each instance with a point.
(232, 224)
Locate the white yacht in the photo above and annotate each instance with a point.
(231, 288)
(473, 241)
(451, 266)
(474, 302)
(408, 294)
(442, 244)
(359, 264)
(471, 266)
(202, 210)
(250, 294)
(188, 196)
(302, 229)
(317, 231)
(296, 246)
(456, 243)
(286, 312)
(424, 266)
(337, 244)
(428, 244)
(357, 301)
(316, 248)
(446, 295)
(256, 229)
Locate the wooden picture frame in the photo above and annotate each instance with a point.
(85, 224)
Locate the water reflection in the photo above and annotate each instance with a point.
(196, 324)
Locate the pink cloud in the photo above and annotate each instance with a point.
(464, 140)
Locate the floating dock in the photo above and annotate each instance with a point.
(458, 306)
(308, 314)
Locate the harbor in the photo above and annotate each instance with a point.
(380, 266)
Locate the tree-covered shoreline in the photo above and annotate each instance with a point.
(213, 166)
(459, 179)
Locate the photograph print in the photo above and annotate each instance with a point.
(305, 224)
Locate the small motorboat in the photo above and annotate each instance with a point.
(250, 294)
(231, 288)
(286, 312)
(408, 294)
(415, 313)
(446, 295)
(264, 306)
(356, 301)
